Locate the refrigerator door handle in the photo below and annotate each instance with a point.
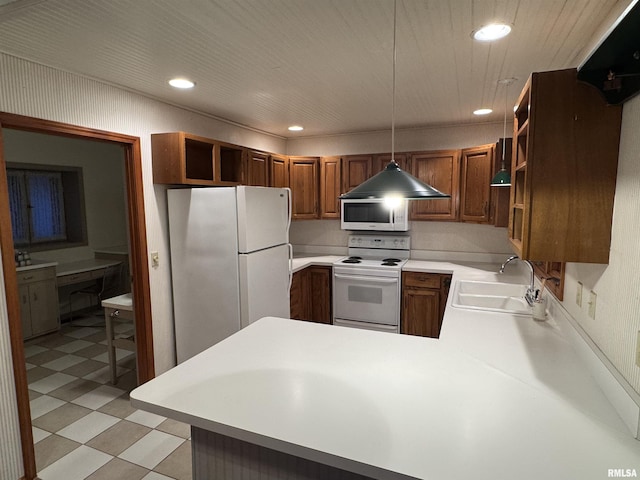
(290, 264)
(290, 202)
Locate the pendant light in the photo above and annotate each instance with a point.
(503, 177)
(394, 183)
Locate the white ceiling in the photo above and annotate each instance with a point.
(324, 64)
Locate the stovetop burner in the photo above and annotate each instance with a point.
(393, 260)
(389, 264)
(352, 260)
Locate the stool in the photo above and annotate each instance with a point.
(120, 307)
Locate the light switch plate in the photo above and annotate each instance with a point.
(155, 259)
(579, 294)
(592, 304)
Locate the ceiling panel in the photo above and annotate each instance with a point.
(325, 64)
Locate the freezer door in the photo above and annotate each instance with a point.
(204, 267)
(263, 215)
(264, 284)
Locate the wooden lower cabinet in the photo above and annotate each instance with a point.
(424, 296)
(310, 295)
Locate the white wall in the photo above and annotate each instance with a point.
(42, 92)
(617, 285)
(103, 178)
(430, 138)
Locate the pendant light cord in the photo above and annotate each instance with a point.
(393, 86)
(503, 165)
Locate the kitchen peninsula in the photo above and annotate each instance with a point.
(517, 403)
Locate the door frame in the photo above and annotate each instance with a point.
(139, 264)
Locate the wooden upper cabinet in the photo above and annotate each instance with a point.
(180, 158)
(258, 168)
(475, 191)
(564, 170)
(304, 182)
(330, 187)
(441, 170)
(278, 171)
(381, 161)
(355, 170)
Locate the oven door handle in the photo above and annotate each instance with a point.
(360, 278)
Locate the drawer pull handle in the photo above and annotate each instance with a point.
(30, 277)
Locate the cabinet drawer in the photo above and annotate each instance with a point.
(75, 278)
(421, 280)
(36, 275)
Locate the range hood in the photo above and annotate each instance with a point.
(614, 67)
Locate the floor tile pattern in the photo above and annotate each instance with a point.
(83, 426)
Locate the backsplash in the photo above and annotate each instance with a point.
(428, 239)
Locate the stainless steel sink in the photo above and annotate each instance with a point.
(491, 296)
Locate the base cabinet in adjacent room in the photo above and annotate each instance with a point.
(38, 301)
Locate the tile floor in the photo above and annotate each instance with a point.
(83, 426)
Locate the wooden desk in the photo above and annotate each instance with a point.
(117, 308)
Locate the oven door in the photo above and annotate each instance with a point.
(366, 298)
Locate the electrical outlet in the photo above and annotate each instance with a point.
(155, 260)
(638, 350)
(579, 294)
(592, 304)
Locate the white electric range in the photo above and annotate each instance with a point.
(366, 284)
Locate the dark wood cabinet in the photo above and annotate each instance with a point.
(310, 295)
(180, 158)
(330, 187)
(441, 170)
(258, 168)
(278, 171)
(564, 168)
(304, 183)
(553, 272)
(424, 296)
(355, 170)
(382, 160)
(475, 178)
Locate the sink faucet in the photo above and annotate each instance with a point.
(532, 293)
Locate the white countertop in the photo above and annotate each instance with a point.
(497, 396)
(35, 264)
(85, 265)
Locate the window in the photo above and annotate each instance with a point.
(47, 206)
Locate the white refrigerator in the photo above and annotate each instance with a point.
(230, 261)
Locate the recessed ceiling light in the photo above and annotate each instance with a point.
(181, 83)
(482, 111)
(491, 32)
(296, 128)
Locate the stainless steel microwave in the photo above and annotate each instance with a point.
(374, 214)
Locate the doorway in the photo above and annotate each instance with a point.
(139, 266)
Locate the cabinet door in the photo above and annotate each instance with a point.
(380, 162)
(355, 170)
(440, 170)
(258, 167)
(278, 171)
(25, 311)
(44, 307)
(319, 284)
(421, 312)
(297, 296)
(303, 180)
(475, 194)
(330, 179)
